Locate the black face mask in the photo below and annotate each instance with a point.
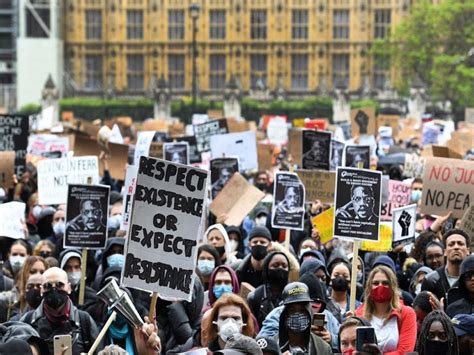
(278, 277)
(33, 297)
(261, 187)
(340, 284)
(221, 251)
(55, 298)
(259, 252)
(434, 347)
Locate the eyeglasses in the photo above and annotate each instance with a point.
(366, 199)
(377, 283)
(49, 285)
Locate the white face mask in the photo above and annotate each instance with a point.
(233, 244)
(261, 221)
(36, 211)
(74, 277)
(228, 327)
(417, 289)
(304, 250)
(17, 261)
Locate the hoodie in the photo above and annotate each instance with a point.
(424, 269)
(312, 265)
(229, 257)
(240, 249)
(463, 303)
(212, 279)
(337, 255)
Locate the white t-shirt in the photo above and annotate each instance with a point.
(387, 334)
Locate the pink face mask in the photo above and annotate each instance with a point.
(427, 223)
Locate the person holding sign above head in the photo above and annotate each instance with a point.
(361, 206)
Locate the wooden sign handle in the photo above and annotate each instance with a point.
(151, 314)
(353, 291)
(82, 285)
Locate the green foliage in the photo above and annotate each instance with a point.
(30, 109)
(364, 103)
(432, 44)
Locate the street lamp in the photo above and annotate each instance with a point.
(194, 9)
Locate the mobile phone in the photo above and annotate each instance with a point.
(62, 345)
(319, 319)
(364, 335)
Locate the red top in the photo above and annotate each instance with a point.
(406, 319)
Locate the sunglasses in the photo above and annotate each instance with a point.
(49, 285)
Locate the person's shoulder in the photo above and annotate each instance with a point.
(433, 276)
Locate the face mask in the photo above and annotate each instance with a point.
(74, 277)
(261, 221)
(17, 261)
(359, 277)
(434, 347)
(417, 289)
(278, 277)
(116, 260)
(340, 284)
(297, 322)
(259, 252)
(33, 297)
(114, 221)
(233, 244)
(228, 327)
(55, 298)
(349, 351)
(304, 250)
(36, 211)
(261, 187)
(205, 267)
(59, 228)
(219, 290)
(381, 294)
(415, 196)
(221, 251)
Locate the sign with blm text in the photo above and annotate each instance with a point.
(14, 131)
(166, 221)
(404, 221)
(54, 175)
(86, 216)
(447, 186)
(398, 195)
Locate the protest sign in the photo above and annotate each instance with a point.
(385, 189)
(363, 121)
(176, 152)
(14, 131)
(7, 169)
(237, 125)
(389, 121)
(157, 124)
(317, 123)
(447, 186)
(12, 214)
(277, 130)
(199, 118)
(356, 154)
(222, 170)
(295, 145)
(265, 156)
(86, 216)
(194, 155)
(288, 201)
(213, 114)
(129, 190)
(167, 218)
(206, 130)
(324, 223)
(316, 150)
(399, 195)
(337, 153)
(467, 224)
(469, 114)
(156, 150)
(42, 144)
(298, 122)
(430, 133)
(357, 203)
(142, 148)
(414, 166)
(241, 144)
(445, 152)
(54, 175)
(404, 221)
(236, 199)
(318, 184)
(384, 243)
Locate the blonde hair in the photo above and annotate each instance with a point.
(25, 274)
(369, 304)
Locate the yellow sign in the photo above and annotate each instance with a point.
(324, 223)
(298, 122)
(385, 241)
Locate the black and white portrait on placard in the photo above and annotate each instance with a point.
(356, 154)
(316, 150)
(288, 205)
(337, 153)
(86, 216)
(222, 170)
(358, 200)
(176, 152)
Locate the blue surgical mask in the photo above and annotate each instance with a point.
(205, 267)
(219, 290)
(415, 195)
(116, 260)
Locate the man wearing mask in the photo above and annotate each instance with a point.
(250, 269)
(445, 277)
(70, 261)
(261, 181)
(59, 227)
(416, 190)
(57, 315)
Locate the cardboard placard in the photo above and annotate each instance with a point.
(447, 186)
(324, 223)
(357, 202)
(265, 156)
(42, 144)
(389, 121)
(222, 170)
(355, 154)
(206, 130)
(445, 152)
(404, 221)
(288, 201)
(14, 131)
(236, 199)
(176, 152)
(157, 124)
(54, 175)
(467, 223)
(316, 150)
(86, 216)
(237, 126)
(7, 169)
(242, 145)
(142, 148)
(11, 216)
(215, 114)
(167, 218)
(385, 240)
(295, 145)
(129, 190)
(319, 185)
(469, 114)
(156, 150)
(399, 194)
(363, 121)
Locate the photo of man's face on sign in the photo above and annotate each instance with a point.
(288, 207)
(356, 155)
(337, 154)
(222, 170)
(176, 152)
(316, 150)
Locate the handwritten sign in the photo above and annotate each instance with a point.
(398, 195)
(324, 223)
(319, 184)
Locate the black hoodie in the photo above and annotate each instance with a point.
(465, 302)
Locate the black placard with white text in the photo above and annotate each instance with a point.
(14, 131)
(316, 150)
(288, 205)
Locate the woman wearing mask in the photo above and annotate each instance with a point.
(207, 260)
(269, 295)
(230, 315)
(236, 241)
(437, 336)
(44, 248)
(217, 237)
(111, 257)
(307, 245)
(33, 265)
(19, 250)
(394, 323)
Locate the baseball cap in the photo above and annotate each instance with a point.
(463, 324)
(268, 345)
(296, 292)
